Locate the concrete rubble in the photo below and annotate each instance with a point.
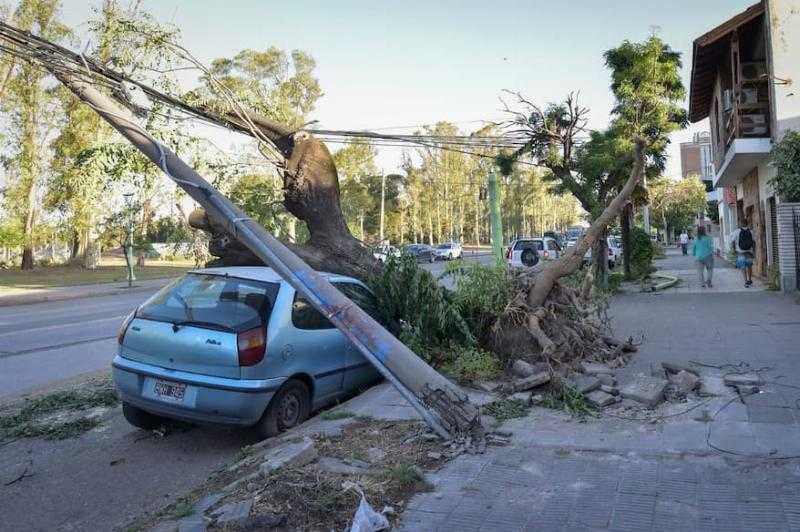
(595, 368)
(742, 379)
(533, 381)
(600, 398)
(644, 389)
(585, 383)
(294, 454)
(684, 381)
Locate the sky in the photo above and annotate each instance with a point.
(395, 66)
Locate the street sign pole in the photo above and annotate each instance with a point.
(494, 217)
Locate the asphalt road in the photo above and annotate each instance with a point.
(44, 343)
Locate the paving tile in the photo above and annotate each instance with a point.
(767, 399)
(770, 414)
(638, 484)
(416, 521)
(677, 490)
(763, 515)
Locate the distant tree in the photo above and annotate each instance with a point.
(27, 103)
(676, 204)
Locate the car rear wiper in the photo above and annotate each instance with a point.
(205, 324)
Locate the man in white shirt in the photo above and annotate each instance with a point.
(684, 240)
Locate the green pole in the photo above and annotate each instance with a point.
(496, 222)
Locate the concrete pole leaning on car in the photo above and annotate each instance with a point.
(495, 220)
(441, 404)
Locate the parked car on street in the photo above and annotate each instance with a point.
(526, 252)
(236, 346)
(382, 253)
(422, 252)
(614, 253)
(448, 251)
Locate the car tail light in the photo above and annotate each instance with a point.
(251, 345)
(508, 253)
(123, 328)
(546, 254)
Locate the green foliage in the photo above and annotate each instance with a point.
(676, 204)
(473, 364)
(505, 409)
(615, 281)
(330, 415)
(569, 398)
(786, 159)
(409, 295)
(641, 253)
(481, 295)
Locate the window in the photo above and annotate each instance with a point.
(213, 300)
(361, 297)
(552, 246)
(305, 316)
(522, 245)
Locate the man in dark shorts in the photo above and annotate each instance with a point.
(743, 245)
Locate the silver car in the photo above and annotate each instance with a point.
(236, 346)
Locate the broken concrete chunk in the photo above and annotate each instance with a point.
(672, 367)
(489, 386)
(531, 382)
(684, 381)
(713, 386)
(525, 397)
(585, 383)
(339, 467)
(595, 368)
(600, 399)
(434, 455)
(290, 455)
(644, 389)
(606, 380)
(232, 514)
(743, 379)
(747, 390)
(522, 369)
(611, 390)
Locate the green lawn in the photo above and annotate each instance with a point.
(110, 270)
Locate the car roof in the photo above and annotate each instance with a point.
(261, 273)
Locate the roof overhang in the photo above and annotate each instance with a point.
(707, 51)
(742, 156)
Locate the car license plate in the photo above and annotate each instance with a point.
(169, 391)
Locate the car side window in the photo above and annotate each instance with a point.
(361, 297)
(551, 245)
(305, 316)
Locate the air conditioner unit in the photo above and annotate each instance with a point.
(748, 96)
(754, 71)
(754, 124)
(727, 100)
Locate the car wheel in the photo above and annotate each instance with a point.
(140, 418)
(289, 407)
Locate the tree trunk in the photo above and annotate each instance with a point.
(600, 260)
(572, 259)
(625, 228)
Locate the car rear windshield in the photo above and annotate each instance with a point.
(213, 302)
(444, 246)
(528, 244)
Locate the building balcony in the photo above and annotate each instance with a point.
(742, 155)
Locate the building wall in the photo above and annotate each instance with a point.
(690, 159)
(784, 35)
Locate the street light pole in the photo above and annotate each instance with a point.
(496, 222)
(129, 238)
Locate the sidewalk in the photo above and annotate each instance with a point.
(726, 277)
(672, 471)
(63, 293)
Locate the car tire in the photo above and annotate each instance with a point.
(290, 406)
(140, 418)
(529, 258)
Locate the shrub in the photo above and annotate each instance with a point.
(481, 295)
(472, 363)
(409, 295)
(641, 253)
(786, 158)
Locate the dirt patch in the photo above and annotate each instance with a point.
(59, 415)
(312, 499)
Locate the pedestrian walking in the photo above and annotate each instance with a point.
(743, 246)
(703, 251)
(684, 241)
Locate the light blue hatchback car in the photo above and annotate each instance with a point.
(236, 346)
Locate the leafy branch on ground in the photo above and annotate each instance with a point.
(58, 415)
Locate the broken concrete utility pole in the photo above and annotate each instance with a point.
(443, 406)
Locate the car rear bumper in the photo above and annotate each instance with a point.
(207, 399)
